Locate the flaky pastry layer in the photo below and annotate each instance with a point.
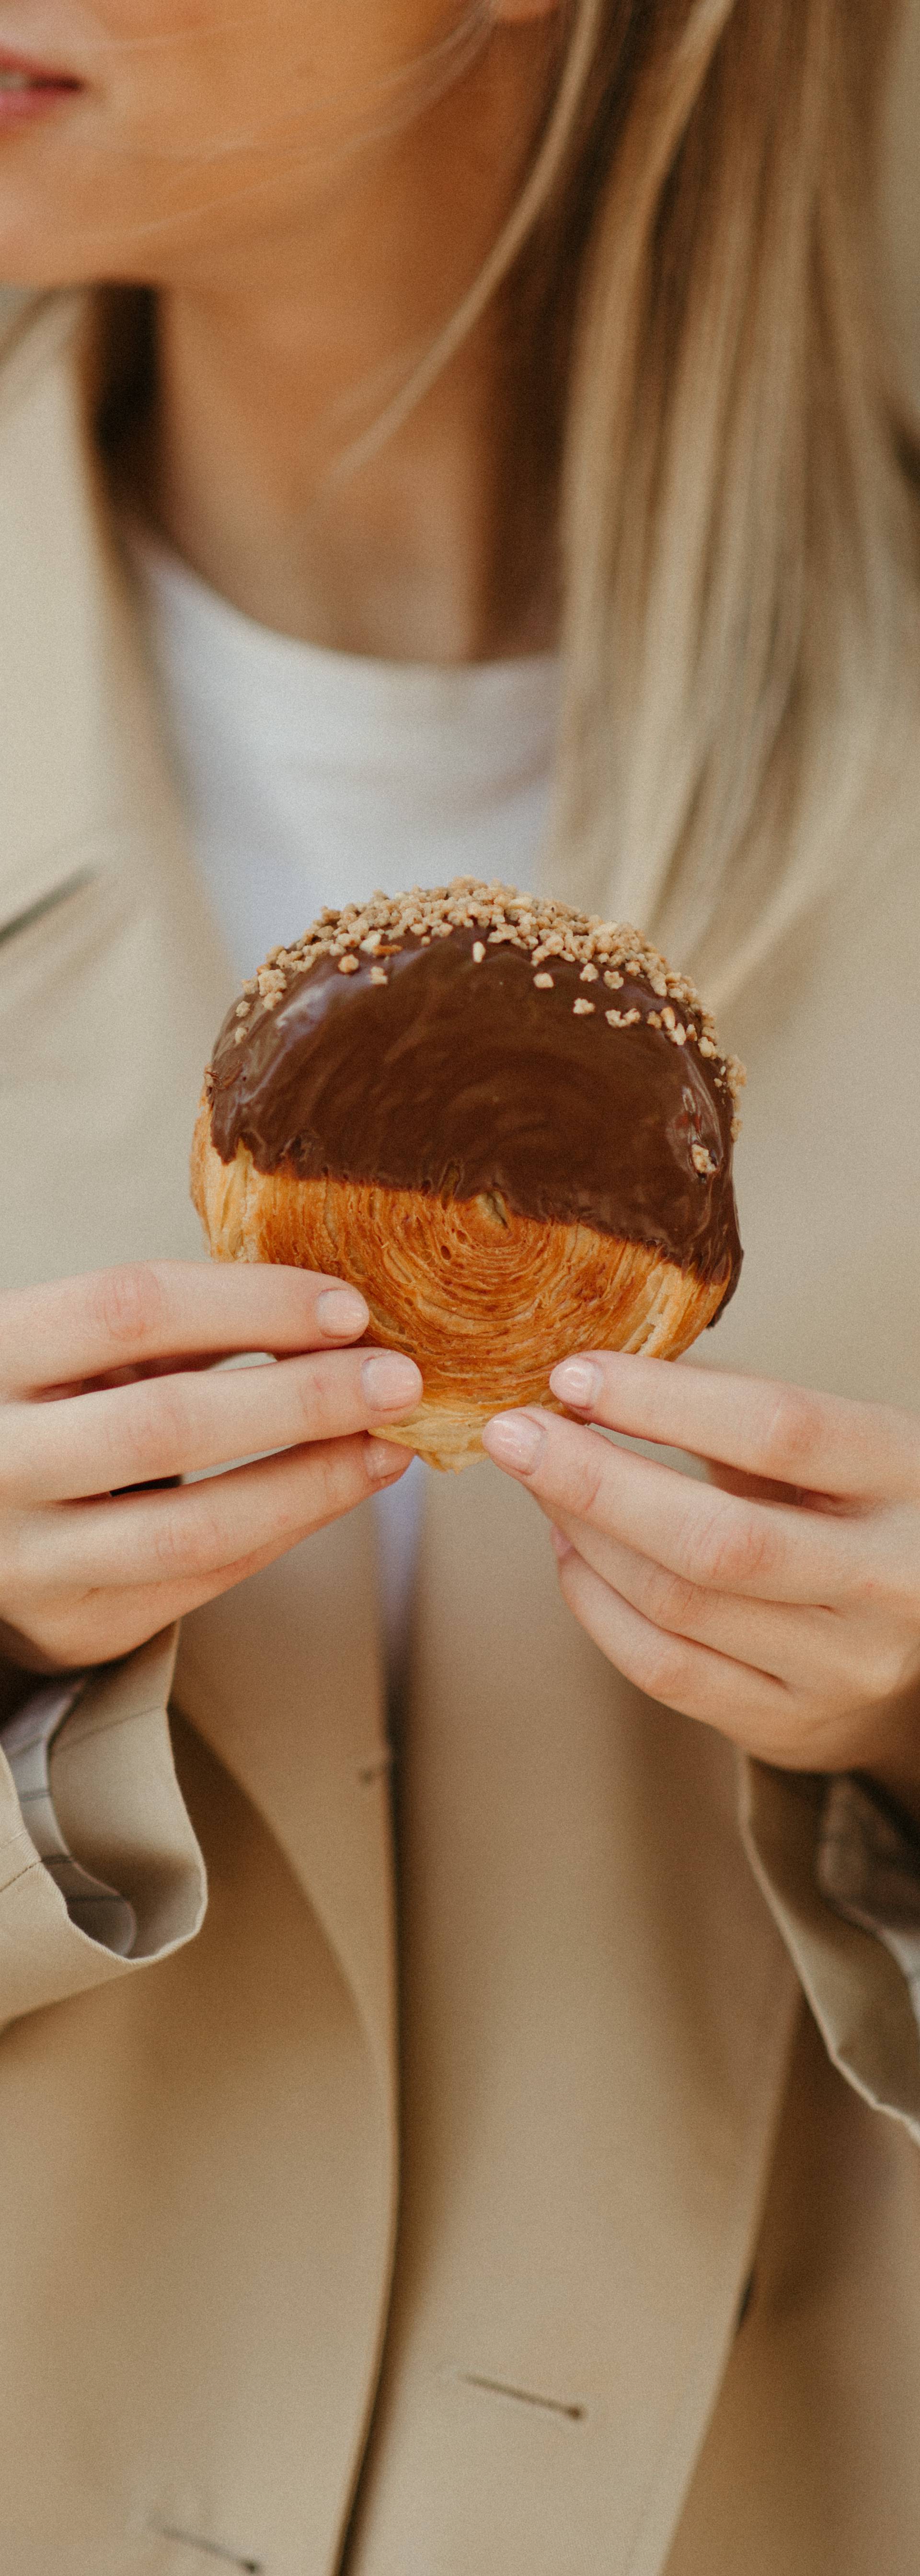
(485, 1301)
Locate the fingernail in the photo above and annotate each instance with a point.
(389, 1381)
(514, 1440)
(576, 1381)
(383, 1458)
(562, 1545)
(341, 1312)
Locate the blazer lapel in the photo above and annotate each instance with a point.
(82, 770)
(113, 980)
(112, 977)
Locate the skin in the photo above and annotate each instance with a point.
(108, 1384)
(779, 1600)
(247, 162)
(245, 157)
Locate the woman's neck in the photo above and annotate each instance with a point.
(429, 550)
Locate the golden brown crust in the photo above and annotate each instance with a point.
(484, 1300)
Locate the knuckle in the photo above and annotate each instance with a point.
(310, 1394)
(893, 1675)
(19, 1567)
(11, 1479)
(569, 1570)
(872, 1585)
(884, 1670)
(187, 1542)
(673, 1601)
(339, 1480)
(128, 1303)
(732, 1549)
(662, 1669)
(154, 1417)
(792, 1437)
(584, 1481)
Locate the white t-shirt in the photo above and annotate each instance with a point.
(313, 777)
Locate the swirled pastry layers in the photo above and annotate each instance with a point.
(508, 1124)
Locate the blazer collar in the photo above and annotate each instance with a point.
(79, 760)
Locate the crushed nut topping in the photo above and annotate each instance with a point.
(544, 929)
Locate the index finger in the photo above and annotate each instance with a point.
(822, 1444)
(760, 1551)
(78, 1328)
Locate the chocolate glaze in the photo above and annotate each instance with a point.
(455, 1077)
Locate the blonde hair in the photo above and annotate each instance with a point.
(691, 253)
(736, 548)
(738, 555)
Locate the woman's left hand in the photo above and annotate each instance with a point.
(779, 1600)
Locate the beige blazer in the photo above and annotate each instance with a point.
(617, 2114)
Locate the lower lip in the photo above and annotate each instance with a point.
(38, 98)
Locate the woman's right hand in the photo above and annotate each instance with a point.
(107, 1387)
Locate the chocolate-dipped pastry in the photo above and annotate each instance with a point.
(510, 1125)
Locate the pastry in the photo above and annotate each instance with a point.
(509, 1124)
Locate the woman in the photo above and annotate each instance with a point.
(526, 348)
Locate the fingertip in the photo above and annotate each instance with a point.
(342, 1313)
(385, 1461)
(577, 1381)
(515, 1441)
(392, 1383)
(562, 1546)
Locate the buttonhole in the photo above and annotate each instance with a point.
(523, 2396)
(375, 1768)
(745, 2301)
(208, 2548)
